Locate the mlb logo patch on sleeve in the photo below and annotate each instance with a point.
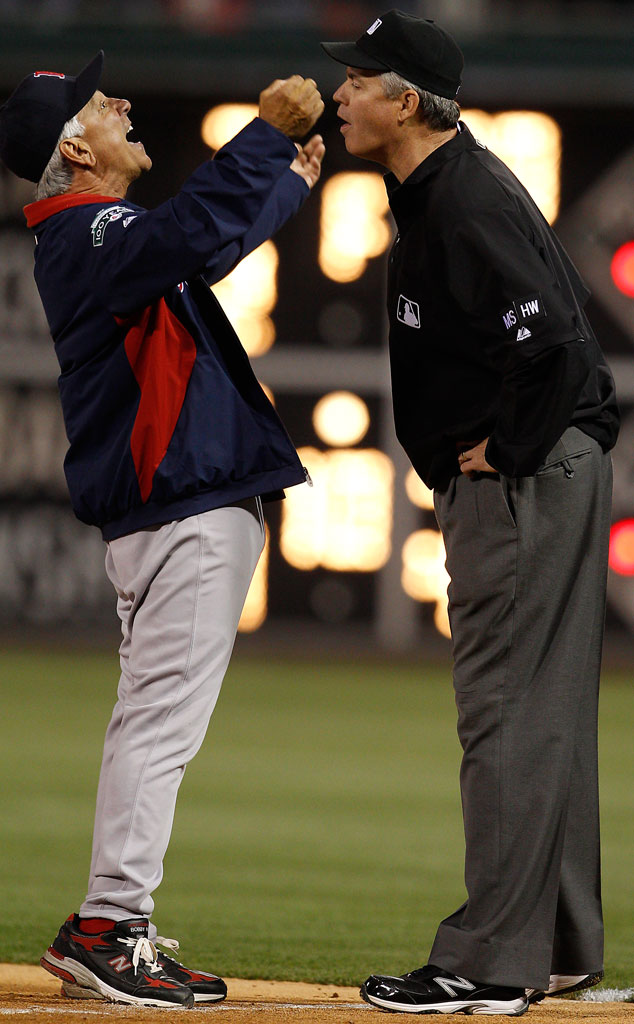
(521, 312)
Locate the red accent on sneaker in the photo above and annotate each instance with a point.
(88, 941)
(198, 975)
(160, 983)
(57, 972)
(95, 925)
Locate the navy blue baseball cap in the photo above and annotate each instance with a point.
(417, 49)
(32, 119)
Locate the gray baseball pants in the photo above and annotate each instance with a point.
(181, 588)
(527, 559)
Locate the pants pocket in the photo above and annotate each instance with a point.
(507, 489)
(564, 464)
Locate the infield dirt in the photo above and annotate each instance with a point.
(32, 995)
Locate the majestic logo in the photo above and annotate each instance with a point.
(103, 218)
(48, 74)
(372, 29)
(408, 312)
(523, 334)
(521, 312)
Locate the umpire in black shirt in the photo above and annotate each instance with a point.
(506, 408)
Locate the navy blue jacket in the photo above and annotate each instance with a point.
(163, 413)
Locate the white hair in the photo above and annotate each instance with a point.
(438, 113)
(58, 174)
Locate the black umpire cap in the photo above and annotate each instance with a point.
(417, 49)
(32, 119)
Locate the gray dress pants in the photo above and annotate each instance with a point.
(527, 559)
(180, 588)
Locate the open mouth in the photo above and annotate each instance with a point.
(132, 142)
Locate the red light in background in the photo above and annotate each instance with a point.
(622, 269)
(621, 557)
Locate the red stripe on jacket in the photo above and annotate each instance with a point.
(42, 209)
(161, 353)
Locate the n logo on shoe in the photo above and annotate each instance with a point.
(120, 963)
(451, 984)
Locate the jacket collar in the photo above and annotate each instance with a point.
(464, 140)
(41, 210)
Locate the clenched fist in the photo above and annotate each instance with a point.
(292, 105)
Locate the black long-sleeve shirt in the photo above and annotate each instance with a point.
(488, 337)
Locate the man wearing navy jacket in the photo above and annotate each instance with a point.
(172, 448)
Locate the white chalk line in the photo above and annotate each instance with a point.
(218, 1008)
(607, 995)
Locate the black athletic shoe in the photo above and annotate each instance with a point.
(119, 964)
(564, 984)
(432, 990)
(207, 988)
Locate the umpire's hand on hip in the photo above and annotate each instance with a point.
(472, 460)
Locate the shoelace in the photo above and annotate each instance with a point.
(424, 973)
(143, 950)
(172, 944)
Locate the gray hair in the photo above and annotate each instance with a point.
(438, 113)
(58, 174)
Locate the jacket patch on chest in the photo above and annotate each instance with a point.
(105, 217)
(408, 312)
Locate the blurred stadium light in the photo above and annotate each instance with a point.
(255, 606)
(599, 229)
(622, 547)
(341, 418)
(344, 523)
(622, 269)
(424, 576)
(529, 141)
(248, 296)
(225, 120)
(353, 225)
(418, 492)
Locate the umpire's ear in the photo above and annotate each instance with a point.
(408, 105)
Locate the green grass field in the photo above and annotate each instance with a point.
(318, 834)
